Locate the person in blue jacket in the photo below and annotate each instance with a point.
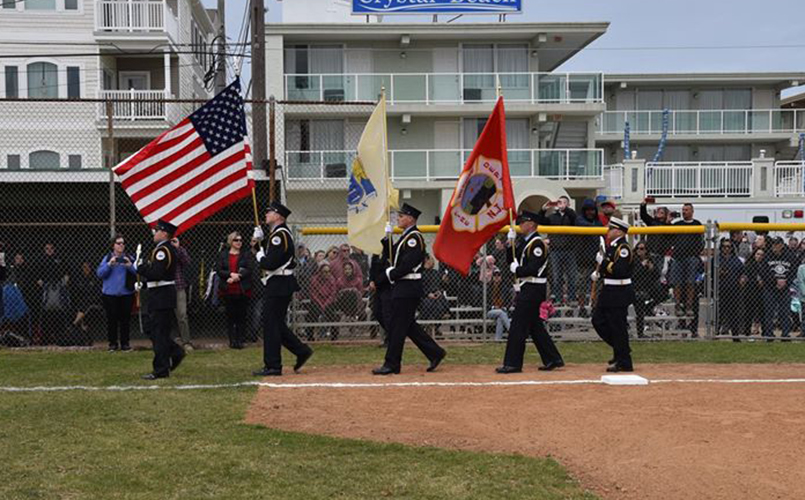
(119, 273)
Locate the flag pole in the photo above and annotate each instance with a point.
(385, 162)
(254, 205)
(499, 91)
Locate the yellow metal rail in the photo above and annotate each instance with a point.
(574, 230)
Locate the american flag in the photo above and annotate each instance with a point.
(195, 169)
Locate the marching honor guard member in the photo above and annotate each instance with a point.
(530, 269)
(609, 318)
(407, 257)
(159, 273)
(277, 261)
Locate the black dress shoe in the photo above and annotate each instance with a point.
(611, 362)
(551, 366)
(154, 376)
(616, 368)
(385, 370)
(435, 362)
(508, 369)
(301, 360)
(268, 372)
(177, 360)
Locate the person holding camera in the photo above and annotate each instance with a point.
(119, 273)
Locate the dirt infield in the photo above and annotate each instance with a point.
(661, 441)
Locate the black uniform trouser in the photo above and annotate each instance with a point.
(381, 309)
(611, 325)
(236, 308)
(276, 333)
(165, 348)
(527, 323)
(118, 318)
(403, 324)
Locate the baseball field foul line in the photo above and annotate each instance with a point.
(358, 385)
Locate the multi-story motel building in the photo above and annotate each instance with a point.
(726, 135)
(66, 49)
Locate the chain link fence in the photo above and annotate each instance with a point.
(59, 207)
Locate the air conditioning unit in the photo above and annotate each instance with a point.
(472, 94)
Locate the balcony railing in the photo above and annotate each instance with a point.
(135, 104)
(789, 179)
(613, 181)
(133, 16)
(446, 164)
(705, 122)
(447, 88)
(699, 179)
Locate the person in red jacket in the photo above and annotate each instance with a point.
(323, 292)
(607, 209)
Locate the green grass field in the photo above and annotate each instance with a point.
(194, 444)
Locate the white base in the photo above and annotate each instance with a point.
(623, 380)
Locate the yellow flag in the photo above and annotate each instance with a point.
(370, 195)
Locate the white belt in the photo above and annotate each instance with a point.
(278, 272)
(157, 284)
(608, 281)
(530, 279)
(533, 279)
(411, 276)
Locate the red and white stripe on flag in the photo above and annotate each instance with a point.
(194, 170)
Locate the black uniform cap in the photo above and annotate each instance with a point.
(166, 226)
(409, 210)
(278, 207)
(526, 216)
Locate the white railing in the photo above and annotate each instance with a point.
(705, 121)
(447, 88)
(613, 181)
(446, 164)
(134, 104)
(699, 179)
(118, 15)
(789, 179)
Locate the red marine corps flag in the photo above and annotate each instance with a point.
(194, 169)
(483, 197)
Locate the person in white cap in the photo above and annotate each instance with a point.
(609, 318)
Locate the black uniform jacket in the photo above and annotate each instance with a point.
(159, 270)
(378, 266)
(617, 265)
(279, 257)
(408, 254)
(532, 255)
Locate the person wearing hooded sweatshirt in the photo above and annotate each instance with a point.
(586, 248)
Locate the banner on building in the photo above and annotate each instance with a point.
(386, 7)
(480, 204)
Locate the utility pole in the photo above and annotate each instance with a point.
(259, 132)
(220, 75)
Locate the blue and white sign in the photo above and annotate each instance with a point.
(363, 7)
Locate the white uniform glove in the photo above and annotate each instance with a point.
(595, 276)
(513, 267)
(138, 286)
(138, 258)
(389, 229)
(512, 234)
(258, 233)
(599, 257)
(388, 274)
(259, 256)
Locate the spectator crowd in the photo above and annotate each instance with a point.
(758, 281)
